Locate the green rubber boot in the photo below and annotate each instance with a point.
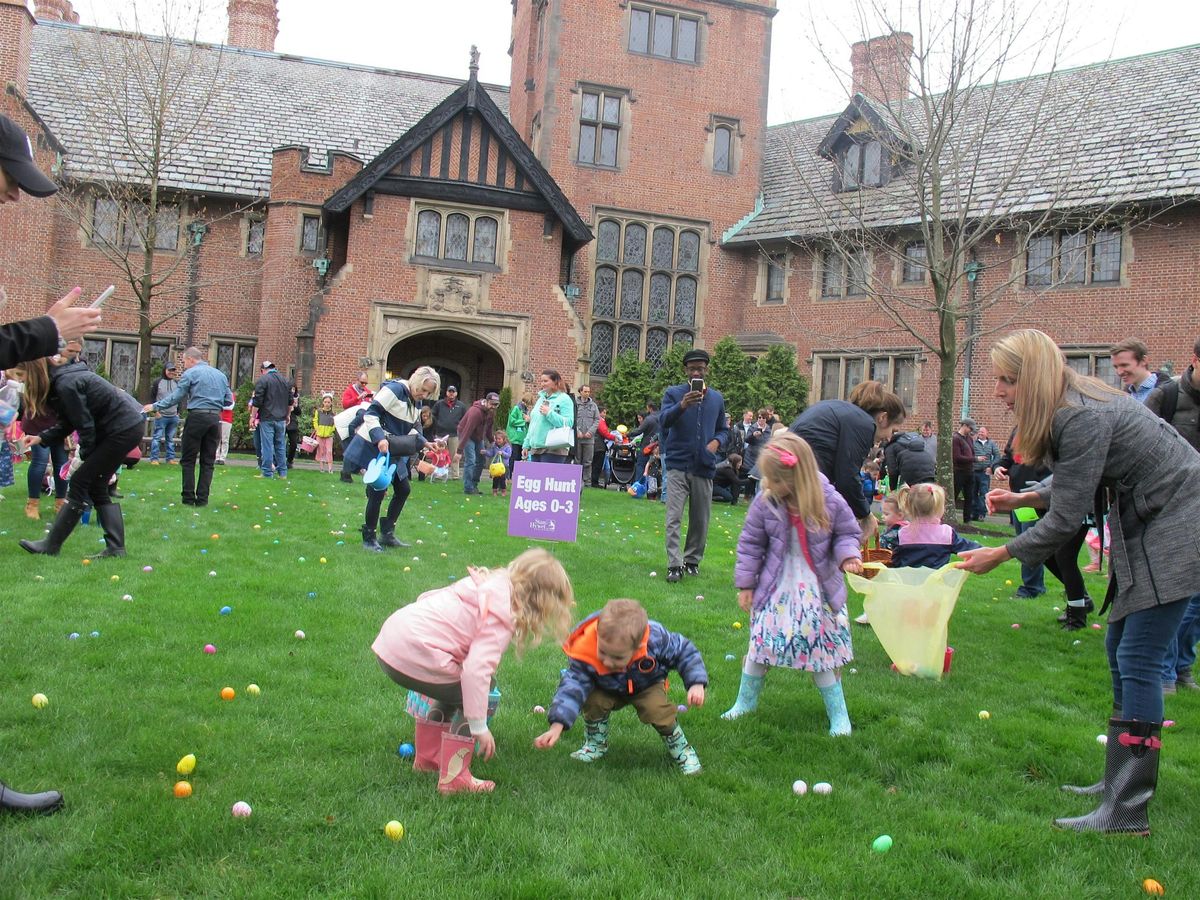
(681, 751)
(747, 698)
(595, 741)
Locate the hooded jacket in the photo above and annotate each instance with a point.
(907, 460)
(87, 403)
(657, 654)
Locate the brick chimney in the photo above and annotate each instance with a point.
(880, 67)
(16, 35)
(253, 24)
(55, 11)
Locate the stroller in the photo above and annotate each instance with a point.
(620, 465)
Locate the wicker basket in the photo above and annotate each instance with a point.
(876, 555)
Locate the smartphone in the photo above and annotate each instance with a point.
(108, 292)
(697, 384)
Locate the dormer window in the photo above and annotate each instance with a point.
(862, 165)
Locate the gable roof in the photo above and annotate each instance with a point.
(1114, 133)
(265, 101)
(877, 115)
(466, 101)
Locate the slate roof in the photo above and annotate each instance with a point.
(1121, 132)
(266, 101)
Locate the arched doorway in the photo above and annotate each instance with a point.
(464, 361)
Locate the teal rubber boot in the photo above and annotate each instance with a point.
(747, 698)
(835, 708)
(595, 741)
(681, 751)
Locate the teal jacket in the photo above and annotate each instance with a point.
(562, 412)
(517, 426)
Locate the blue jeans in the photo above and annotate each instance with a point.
(1181, 652)
(1033, 578)
(164, 430)
(472, 463)
(1136, 646)
(39, 455)
(983, 483)
(273, 435)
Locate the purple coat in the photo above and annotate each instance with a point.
(763, 547)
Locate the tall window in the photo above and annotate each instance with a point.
(844, 273)
(863, 165)
(645, 289)
(915, 265)
(310, 233)
(256, 230)
(236, 359)
(663, 33)
(117, 357)
(1096, 363)
(599, 128)
(776, 277)
(126, 226)
(839, 373)
(723, 149)
(1074, 258)
(462, 237)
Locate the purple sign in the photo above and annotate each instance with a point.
(545, 501)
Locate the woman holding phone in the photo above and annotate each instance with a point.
(551, 422)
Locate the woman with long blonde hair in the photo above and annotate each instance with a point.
(1097, 440)
(36, 417)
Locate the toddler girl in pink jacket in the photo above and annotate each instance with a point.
(798, 539)
(448, 643)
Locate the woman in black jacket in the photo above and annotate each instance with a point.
(110, 424)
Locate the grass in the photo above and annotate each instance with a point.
(968, 802)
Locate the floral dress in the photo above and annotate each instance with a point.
(795, 628)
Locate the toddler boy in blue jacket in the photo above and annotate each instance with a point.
(619, 657)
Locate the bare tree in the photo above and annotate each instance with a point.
(148, 98)
(930, 201)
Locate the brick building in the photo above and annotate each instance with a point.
(624, 193)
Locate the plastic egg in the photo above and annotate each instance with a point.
(40, 701)
(87, 562)
(299, 635)
(653, 574)
(216, 537)
(408, 568)
(822, 787)
(394, 830)
(228, 693)
(114, 578)
(882, 844)
(73, 636)
(183, 790)
(539, 709)
(127, 597)
(737, 626)
(324, 560)
(1102, 739)
(984, 715)
(729, 657)
(241, 810)
(253, 690)
(149, 568)
(1150, 886)
(1016, 624)
(186, 765)
(210, 649)
(226, 610)
(799, 787)
(95, 634)
(405, 750)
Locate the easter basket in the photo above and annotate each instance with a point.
(876, 555)
(497, 469)
(308, 444)
(425, 465)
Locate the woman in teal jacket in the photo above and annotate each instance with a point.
(518, 427)
(552, 409)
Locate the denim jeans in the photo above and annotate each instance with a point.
(472, 461)
(273, 435)
(1181, 652)
(983, 484)
(1136, 646)
(1033, 577)
(164, 431)
(39, 454)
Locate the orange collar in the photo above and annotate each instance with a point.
(583, 645)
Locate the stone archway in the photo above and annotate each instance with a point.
(460, 358)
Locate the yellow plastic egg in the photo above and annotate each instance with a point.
(1150, 886)
(187, 765)
(394, 830)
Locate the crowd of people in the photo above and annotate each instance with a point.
(1082, 455)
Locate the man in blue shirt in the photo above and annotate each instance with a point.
(207, 391)
(693, 430)
(1130, 361)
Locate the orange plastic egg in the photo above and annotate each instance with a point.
(183, 790)
(1150, 886)
(227, 693)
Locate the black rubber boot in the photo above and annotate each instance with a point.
(1092, 790)
(113, 524)
(64, 523)
(1076, 618)
(1088, 607)
(1130, 779)
(387, 534)
(16, 802)
(369, 542)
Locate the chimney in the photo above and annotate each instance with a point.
(16, 36)
(55, 11)
(880, 66)
(253, 24)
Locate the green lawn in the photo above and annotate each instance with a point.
(967, 802)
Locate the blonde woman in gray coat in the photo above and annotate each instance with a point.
(1095, 438)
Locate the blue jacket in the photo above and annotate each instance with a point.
(685, 433)
(392, 412)
(659, 652)
(928, 547)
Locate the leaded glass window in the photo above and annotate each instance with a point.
(853, 375)
(660, 297)
(831, 274)
(1072, 258)
(484, 250)
(122, 370)
(776, 277)
(631, 294)
(310, 233)
(914, 262)
(685, 301)
(662, 253)
(245, 365)
(94, 350)
(225, 360)
(639, 30)
(635, 245)
(166, 232)
(629, 338)
(429, 233)
(602, 348)
(608, 240)
(457, 228)
(682, 337)
(255, 233)
(1039, 261)
(1106, 255)
(656, 346)
(856, 273)
(664, 34)
(689, 251)
(723, 150)
(604, 303)
(599, 128)
(105, 221)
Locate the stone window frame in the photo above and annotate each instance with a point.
(1052, 248)
(242, 348)
(121, 224)
(1095, 361)
(673, 331)
(304, 215)
(911, 262)
(473, 214)
(159, 349)
(826, 258)
(768, 260)
(732, 125)
(854, 367)
(678, 14)
(250, 221)
(623, 124)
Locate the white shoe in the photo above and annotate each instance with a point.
(863, 620)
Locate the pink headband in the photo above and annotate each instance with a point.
(787, 457)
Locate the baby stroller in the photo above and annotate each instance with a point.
(620, 465)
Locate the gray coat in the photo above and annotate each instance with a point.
(1153, 476)
(587, 417)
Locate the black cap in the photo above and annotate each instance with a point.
(696, 356)
(492, 397)
(170, 368)
(16, 158)
(452, 388)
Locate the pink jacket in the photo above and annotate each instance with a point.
(453, 634)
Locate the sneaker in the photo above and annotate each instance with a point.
(347, 478)
(219, 462)
(1022, 594)
(692, 568)
(154, 462)
(1090, 567)
(864, 619)
(172, 462)
(1169, 688)
(1185, 677)
(674, 574)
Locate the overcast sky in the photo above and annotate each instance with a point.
(435, 38)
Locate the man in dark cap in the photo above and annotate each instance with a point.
(474, 430)
(166, 421)
(693, 431)
(447, 414)
(33, 339)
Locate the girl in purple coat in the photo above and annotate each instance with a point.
(799, 537)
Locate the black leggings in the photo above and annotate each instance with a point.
(400, 491)
(89, 483)
(1064, 565)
